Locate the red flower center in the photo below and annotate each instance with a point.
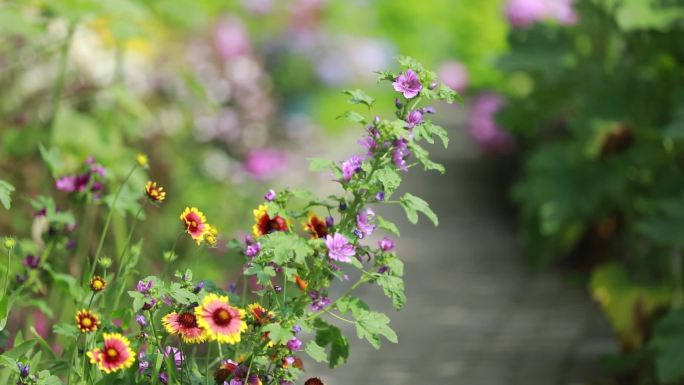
(188, 320)
(222, 317)
(111, 355)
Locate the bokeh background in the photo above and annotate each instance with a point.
(558, 259)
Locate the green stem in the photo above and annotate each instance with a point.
(73, 358)
(339, 317)
(109, 219)
(7, 273)
(61, 76)
(206, 368)
(125, 254)
(167, 359)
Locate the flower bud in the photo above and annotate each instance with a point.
(105, 262)
(10, 243)
(398, 103)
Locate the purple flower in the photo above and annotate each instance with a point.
(386, 244)
(98, 169)
(329, 221)
(198, 287)
(168, 301)
(23, 370)
(143, 365)
(140, 319)
(363, 221)
(253, 249)
(144, 286)
(369, 143)
(408, 84)
(296, 329)
(351, 166)
(289, 360)
(277, 289)
(400, 153)
(232, 287)
(270, 195)
(31, 262)
(414, 118)
(318, 301)
(398, 103)
(428, 110)
(164, 378)
(523, 13)
(294, 344)
(339, 247)
(454, 74)
(380, 196)
(562, 11)
(383, 269)
(265, 163)
(150, 303)
(483, 127)
(176, 354)
(66, 183)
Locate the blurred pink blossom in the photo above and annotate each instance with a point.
(483, 127)
(262, 164)
(231, 38)
(454, 74)
(524, 13)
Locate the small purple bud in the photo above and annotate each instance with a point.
(249, 240)
(343, 206)
(71, 243)
(198, 287)
(383, 269)
(168, 301)
(23, 370)
(386, 244)
(358, 233)
(150, 304)
(144, 286)
(433, 85)
(296, 329)
(31, 262)
(428, 110)
(164, 378)
(289, 360)
(270, 195)
(398, 103)
(143, 365)
(380, 196)
(376, 120)
(329, 221)
(232, 287)
(140, 319)
(277, 288)
(253, 249)
(294, 344)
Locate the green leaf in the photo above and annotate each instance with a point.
(286, 246)
(66, 282)
(319, 164)
(327, 334)
(277, 333)
(387, 225)
(182, 295)
(5, 306)
(448, 95)
(45, 378)
(422, 156)
(359, 97)
(20, 350)
(347, 303)
(138, 299)
(263, 273)
(6, 191)
(395, 265)
(389, 178)
(668, 344)
(428, 130)
(66, 329)
(386, 75)
(52, 158)
(412, 205)
(371, 325)
(393, 288)
(353, 117)
(316, 352)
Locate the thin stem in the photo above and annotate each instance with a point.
(339, 317)
(109, 218)
(206, 368)
(73, 358)
(125, 254)
(167, 358)
(61, 76)
(9, 263)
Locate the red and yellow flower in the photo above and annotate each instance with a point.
(260, 315)
(116, 353)
(155, 193)
(87, 321)
(184, 325)
(264, 224)
(195, 223)
(97, 283)
(316, 226)
(222, 322)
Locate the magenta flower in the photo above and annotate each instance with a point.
(454, 74)
(363, 221)
(414, 118)
(253, 249)
(483, 127)
(562, 11)
(294, 344)
(31, 262)
(408, 84)
(143, 286)
(339, 247)
(176, 354)
(318, 300)
(351, 166)
(66, 183)
(386, 244)
(265, 163)
(270, 195)
(523, 13)
(400, 153)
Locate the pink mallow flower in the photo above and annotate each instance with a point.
(351, 166)
(408, 84)
(483, 127)
(339, 247)
(454, 74)
(524, 13)
(265, 163)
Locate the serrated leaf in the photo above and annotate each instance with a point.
(413, 205)
(371, 325)
(286, 247)
(181, 295)
(387, 225)
(263, 273)
(393, 288)
(386, 75)
(353, 117)
(359, 97)
(327, 334)
(422, 155)
(389, 178)
(277, 333)
(316, 352)
(448, 95)
(6, 191)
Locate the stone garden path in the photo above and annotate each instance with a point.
(475, 315)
